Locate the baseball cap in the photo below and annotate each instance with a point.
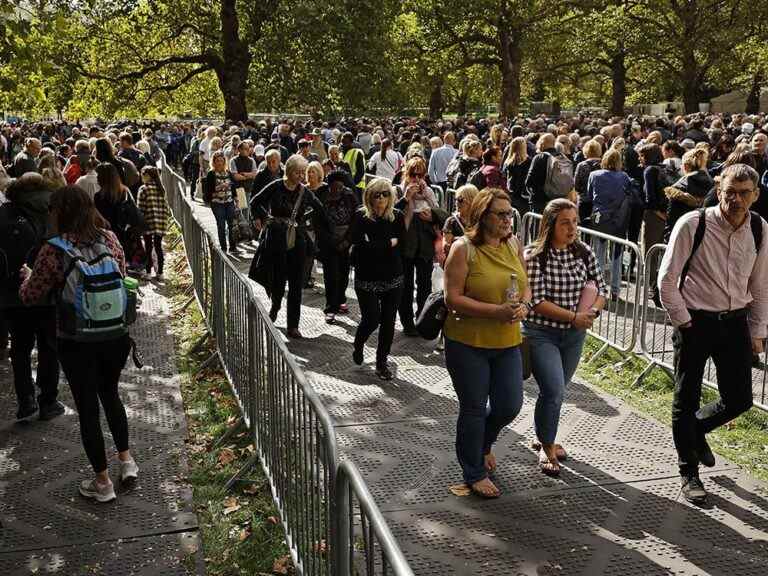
(258, 150)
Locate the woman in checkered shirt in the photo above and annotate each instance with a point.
(559, 268)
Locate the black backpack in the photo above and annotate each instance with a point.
(20, 241)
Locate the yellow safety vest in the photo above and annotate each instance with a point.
(351, 158)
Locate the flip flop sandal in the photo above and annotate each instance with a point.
(483, 495)
(548, 467)
(562, 455)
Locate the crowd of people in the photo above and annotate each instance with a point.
(373, 196)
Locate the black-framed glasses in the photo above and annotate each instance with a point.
(379, 195)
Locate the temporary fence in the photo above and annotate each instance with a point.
(622, 264)
(292, 433)
(656, 335)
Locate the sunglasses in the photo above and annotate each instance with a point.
(504, 215)
(379, 195)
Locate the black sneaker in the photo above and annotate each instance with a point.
(50, 411)
(273, 313)
(693, 489)
(384, 373)
(357, 356)
(705, 453)
(27, 407)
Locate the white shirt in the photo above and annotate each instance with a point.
(89, 183)
(386, 167)
(205, 149)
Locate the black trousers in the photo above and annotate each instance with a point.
(291, 270)
(93, 372)
(377, 310)
(154, 241)
(28, 326)
(423, 270)
(729, 344)
(336, 279)
(633, 232)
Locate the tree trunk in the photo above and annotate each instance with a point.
(753, 99)
(690, 80)
(511, 59)
(436, 99)
(232, 68)
(461, 105)
(618, 82)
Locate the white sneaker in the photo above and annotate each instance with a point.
(129, 471)
(99, 492)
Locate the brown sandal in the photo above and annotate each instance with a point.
(562, 455)
(490, 494)
(547, 466)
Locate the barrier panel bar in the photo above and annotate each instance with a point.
(656, 335)
(367, 548)
(293, 435)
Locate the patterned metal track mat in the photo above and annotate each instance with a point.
(615, 509)
(47, 527)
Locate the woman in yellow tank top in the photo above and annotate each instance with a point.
(482, 333)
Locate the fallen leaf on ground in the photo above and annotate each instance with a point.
(252, 489)
(460, 490)
(273, 520)
(226, 456)
(229, 510)
(282, 565)
(230, 501)
(244, 534)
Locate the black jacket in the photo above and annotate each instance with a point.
(537, 177)
(419, 239)
(264, 177)
(697, 184)
(373, 256)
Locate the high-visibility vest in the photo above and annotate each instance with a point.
(351, 158)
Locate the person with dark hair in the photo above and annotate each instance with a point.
(387, 162)
(116, 204)
(560, 268)
(23, 227)
(654, 183)
(93, 365)
(491, 171)
(154, 208)
(712, 284)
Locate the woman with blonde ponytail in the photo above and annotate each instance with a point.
(689, 192)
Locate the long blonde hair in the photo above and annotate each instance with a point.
(375, 186)
(695, 159)
(518, 152)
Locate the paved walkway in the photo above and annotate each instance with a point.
(616, 508)
(47, 528)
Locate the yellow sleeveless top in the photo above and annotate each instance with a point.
(487, 281)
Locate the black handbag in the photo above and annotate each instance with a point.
(432, 318)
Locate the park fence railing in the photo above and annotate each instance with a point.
(292, 433)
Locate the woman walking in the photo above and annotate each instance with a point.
(487, 294)
(92, 367)
(155, 210)
(116, 205)
(377, 236)
(219, 193)
(567, 294)
(340, 205)
(283, 205)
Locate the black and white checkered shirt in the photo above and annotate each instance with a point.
(562, 281)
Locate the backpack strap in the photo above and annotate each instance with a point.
(698, 237)
(756, 223)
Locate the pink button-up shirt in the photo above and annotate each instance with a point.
(726, 273)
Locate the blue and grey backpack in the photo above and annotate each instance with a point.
(93, 305)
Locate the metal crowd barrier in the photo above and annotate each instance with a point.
(292, 433)
(656, 335)
(371, 550)
(622, 264)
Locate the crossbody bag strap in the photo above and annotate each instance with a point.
(295, 211)
(698, 237)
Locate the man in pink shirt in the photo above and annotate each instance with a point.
(713, 284)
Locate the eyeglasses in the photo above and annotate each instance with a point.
(504, 215)
(731, 193)
(379, 195)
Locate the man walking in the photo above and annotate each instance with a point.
(712, 284)
(443, 153)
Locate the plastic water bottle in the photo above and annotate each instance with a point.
(513, 292)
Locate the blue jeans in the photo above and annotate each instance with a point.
(615, 263)
(225, 215)
(480, 374)
(555, 355)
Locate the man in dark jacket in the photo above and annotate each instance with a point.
(28, 200)
(696, 132)
(26, 160)
(537, 175)
(270, 170)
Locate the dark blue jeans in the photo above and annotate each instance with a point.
(225, 215)
(480, 375)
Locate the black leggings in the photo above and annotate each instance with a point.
(157, 241)
(377, 311)
(93, 372)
